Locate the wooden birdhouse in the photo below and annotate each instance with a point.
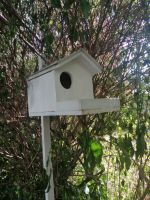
(66, 88)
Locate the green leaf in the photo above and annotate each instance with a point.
(68, 3)
(42, 182)
(84, 36)
(96, 148)
(51, 22)
(127, 162)
(56, 3)
(84, 141)
(48, 42)
(140, 142)
(140, 145)
(123, 182)
(85, 7)
(73, 34)
(122, 161)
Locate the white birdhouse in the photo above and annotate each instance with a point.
(66, 88)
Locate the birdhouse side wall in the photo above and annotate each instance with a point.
(81, 83)
(42, 94)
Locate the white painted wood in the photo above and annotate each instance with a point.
(102, 105)
(47, 96)
(86, 61)
(37, 91)
(81, 87)
(82, 57)
(83, 107)
(46, 146)
(42, 93)
(90, 105)
(41, 63)
(45, 89)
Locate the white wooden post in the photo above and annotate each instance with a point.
(46, 147)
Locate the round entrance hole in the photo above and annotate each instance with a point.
(65, 80)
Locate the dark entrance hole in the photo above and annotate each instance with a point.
(65, 80)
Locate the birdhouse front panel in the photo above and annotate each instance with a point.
(73, 82)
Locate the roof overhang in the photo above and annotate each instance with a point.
(84, 59)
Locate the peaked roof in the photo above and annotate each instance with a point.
(81, 56)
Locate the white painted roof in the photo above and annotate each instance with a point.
(81, 56)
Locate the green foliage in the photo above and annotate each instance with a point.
(96, 149)
(68, 3)
(85, 7)
(140, 142)
(56, 3)
(92, 151)
(127, 151)
(48, 41)
(97, 157)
